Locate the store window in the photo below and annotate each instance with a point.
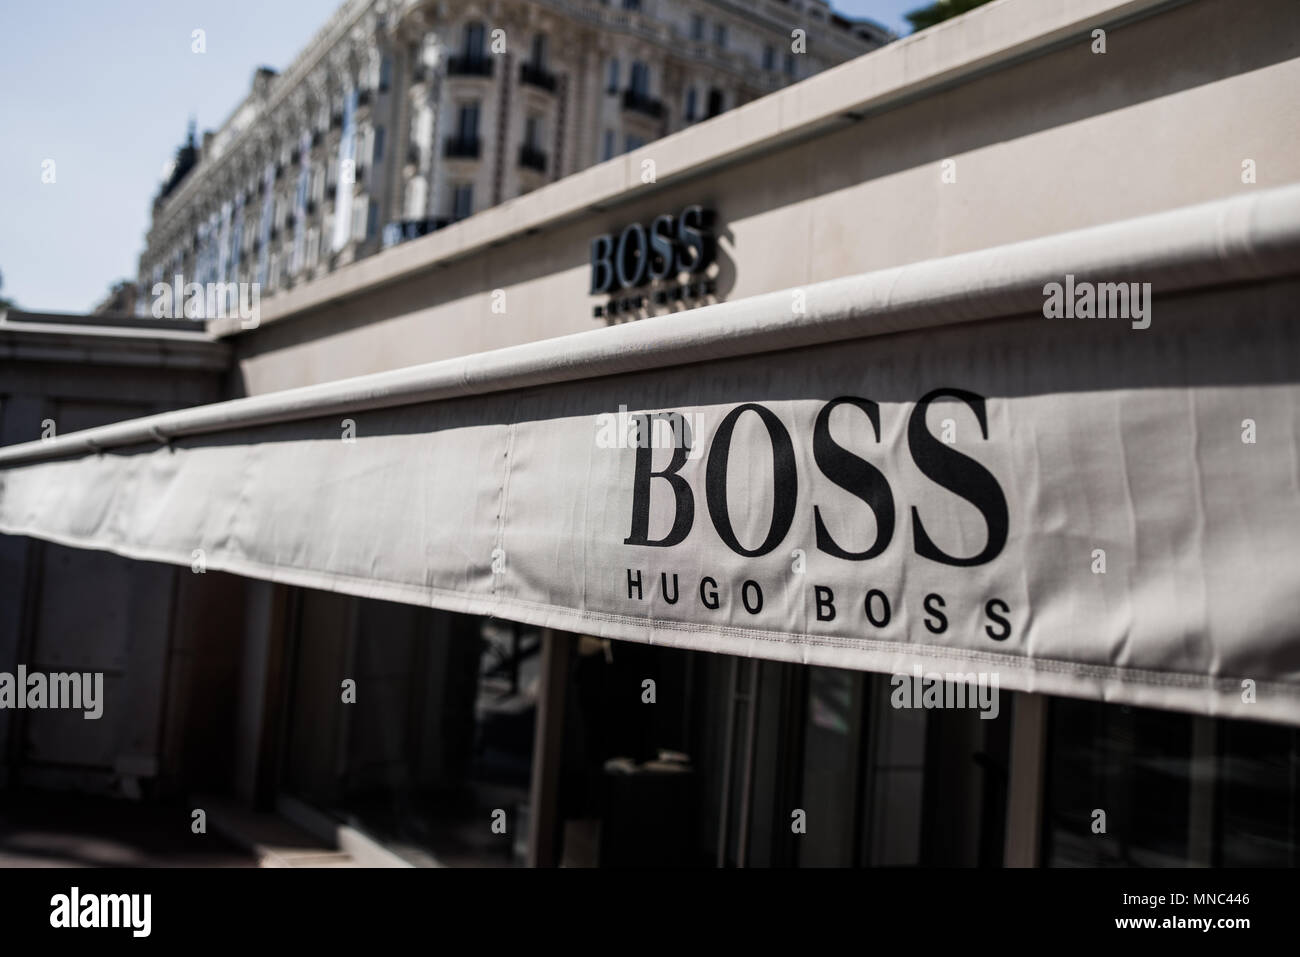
(435, 738)
(750, 763)
(1135, 787)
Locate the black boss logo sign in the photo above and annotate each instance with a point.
(670, 246)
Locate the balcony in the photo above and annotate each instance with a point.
(461, 147)
(473, 65)
(402, 230)
(642, 103)
(533, 74)
(530, 157)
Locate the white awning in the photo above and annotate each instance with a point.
(912, 467)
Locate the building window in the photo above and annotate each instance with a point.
(631, 4)
(692, 104)
(697, 27)
(720, 35)
(790, 66)
(769, 57)
(533, 131)
(385, 74)
(612, 75)
(715, 102)
(377, 153)
(639, 82)
(462, 201)
(634, 142)
(467, 122)
(539, 50)
(475, 36)
(607, 151)
(313, 248)
(360, 221)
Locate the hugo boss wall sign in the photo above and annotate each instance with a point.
(662, 263)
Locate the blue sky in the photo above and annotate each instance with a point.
(104, 88)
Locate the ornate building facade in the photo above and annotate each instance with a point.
(402, 116)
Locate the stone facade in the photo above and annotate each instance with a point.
(405, 115)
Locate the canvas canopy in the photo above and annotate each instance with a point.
(909, 467)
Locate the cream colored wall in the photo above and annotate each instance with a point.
(1061, 141)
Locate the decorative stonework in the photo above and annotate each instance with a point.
(414, 115)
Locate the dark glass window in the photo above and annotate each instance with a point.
(1174, 789)
(640, 79)
(475, 38)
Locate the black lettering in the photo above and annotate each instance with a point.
(684, 514)
(634, 583)
(663, 252)
(959, 474)
(744, 597)
(1004, 630)
(634, 275)
(710, 600)
(855, 475)
(663, 578)
(602, 270)
(784, 480)
(884, 604)
(932, 605)
(825, 599)
(696, 245)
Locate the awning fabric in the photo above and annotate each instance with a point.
(1082, 507)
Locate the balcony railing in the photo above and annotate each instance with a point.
(642, 103)
(530, 157)
(533, 74)
(402, 230)
(473, 65)
(462, 147)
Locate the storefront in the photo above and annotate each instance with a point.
(947, 374)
